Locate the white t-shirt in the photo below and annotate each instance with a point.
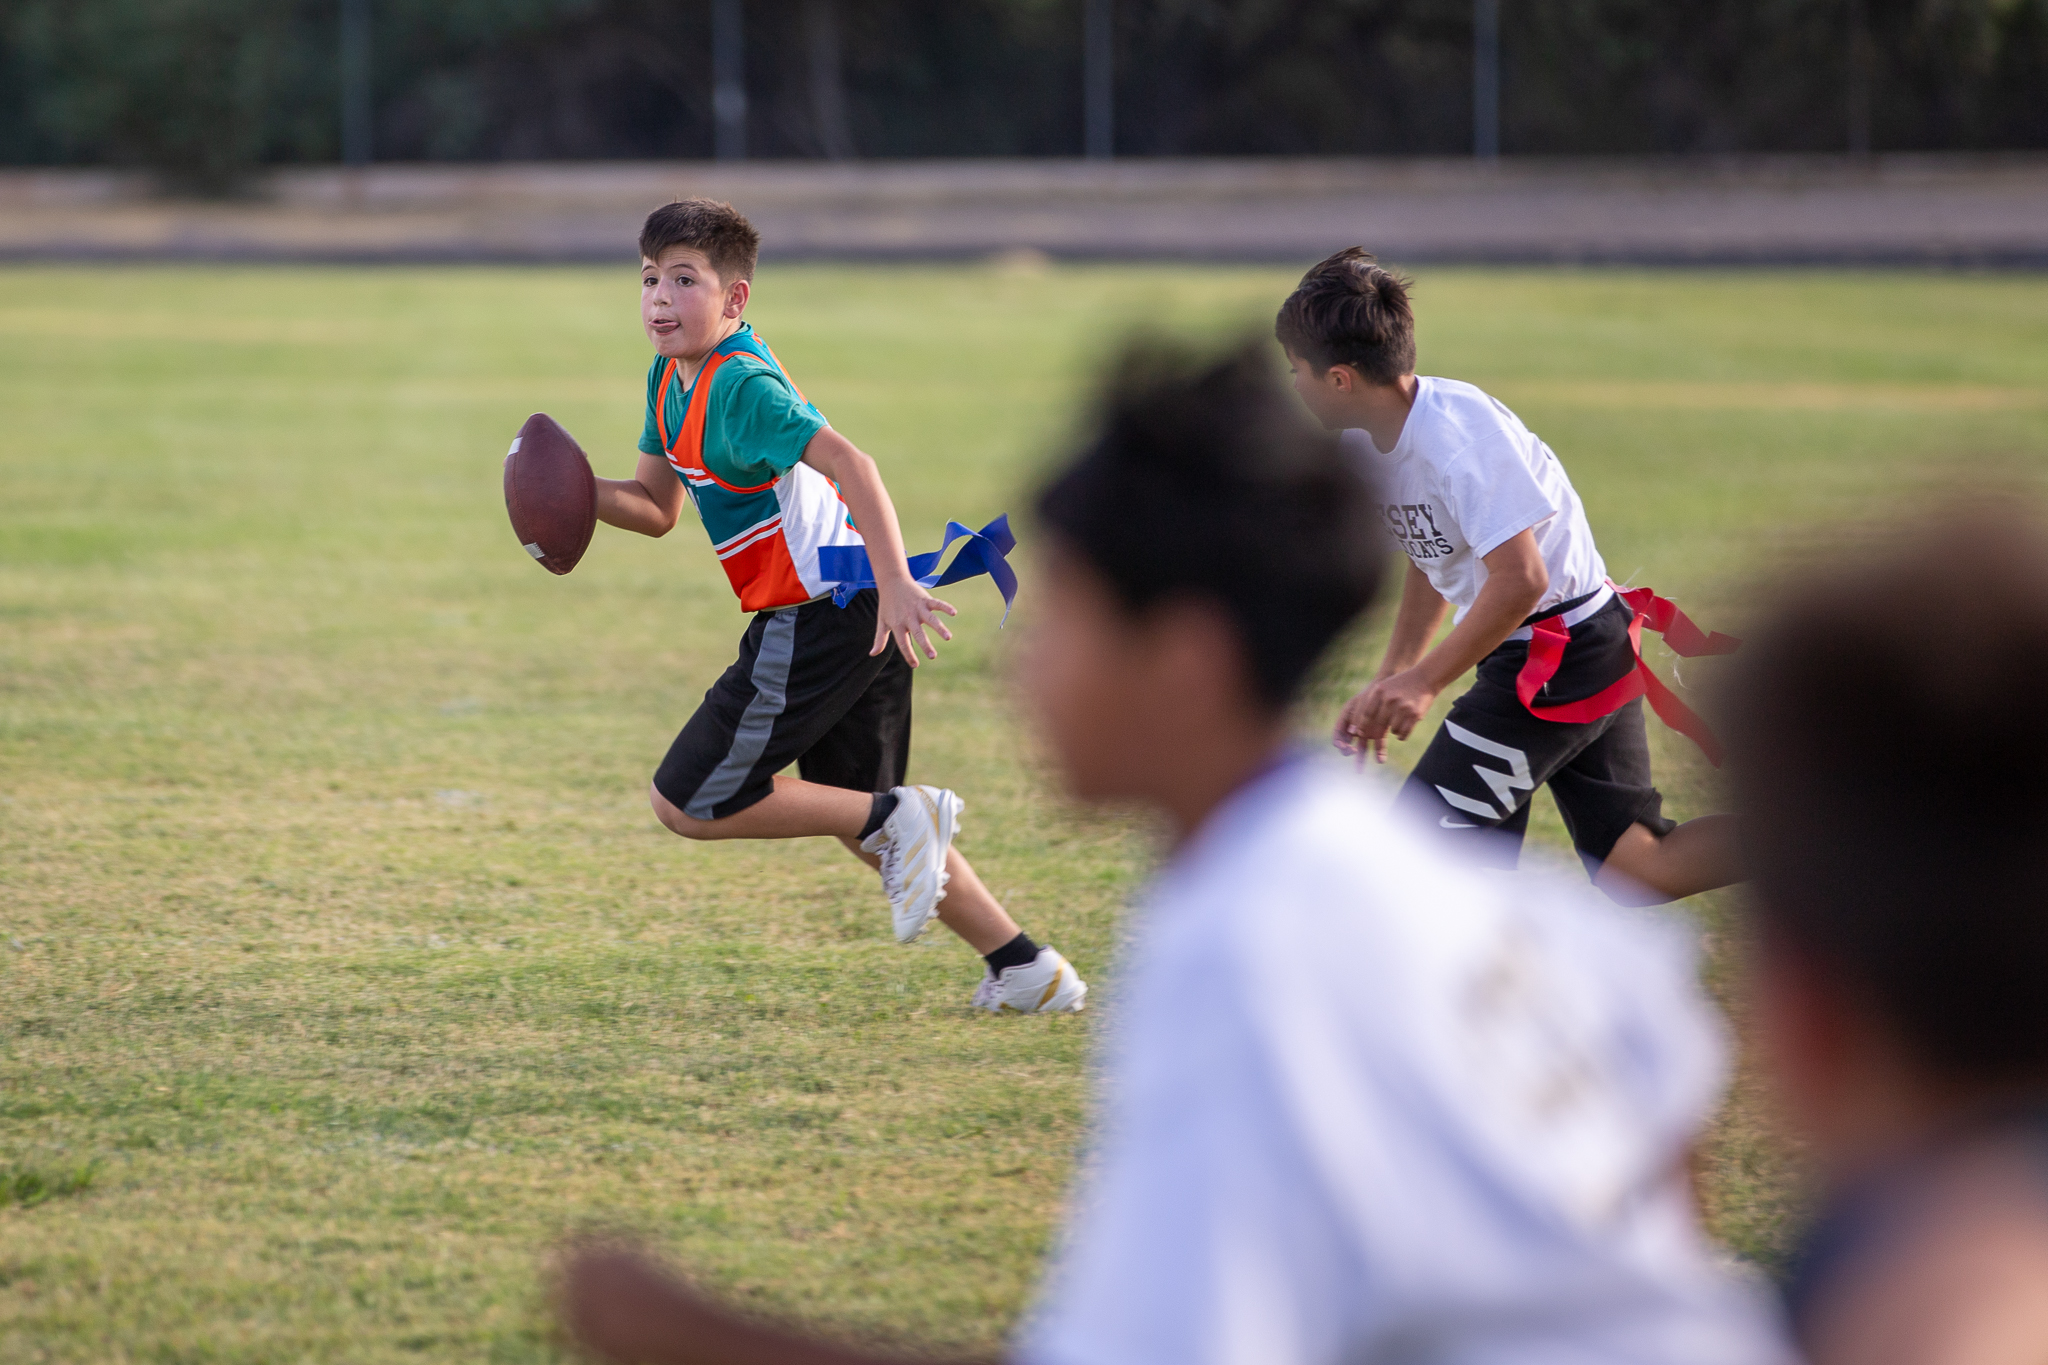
(1465, 478)
(1365, 1104)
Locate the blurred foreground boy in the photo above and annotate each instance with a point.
(821, 682)
(1891, 766)
(1362, 1104)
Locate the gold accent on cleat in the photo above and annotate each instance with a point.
(1052, 987)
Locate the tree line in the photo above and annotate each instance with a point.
(207, 90)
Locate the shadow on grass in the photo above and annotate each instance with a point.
(29, 1186)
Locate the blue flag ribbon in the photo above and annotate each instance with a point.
(986, 551)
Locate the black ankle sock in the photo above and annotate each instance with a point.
(879, 813)
(1018, 952)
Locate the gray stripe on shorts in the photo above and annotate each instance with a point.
(771, 693)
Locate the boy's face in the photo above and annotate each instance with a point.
(684, 307)
(1119, 699)
(1327, 394)
(1076, 679)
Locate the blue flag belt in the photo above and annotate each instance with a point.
(986, 551)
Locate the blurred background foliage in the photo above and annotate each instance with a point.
(207, 89)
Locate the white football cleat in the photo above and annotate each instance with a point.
(1048, 984)
(912, 845)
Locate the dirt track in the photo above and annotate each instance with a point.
(1893, 210)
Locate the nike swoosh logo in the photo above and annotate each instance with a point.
(1448, 823)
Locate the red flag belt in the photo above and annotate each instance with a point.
(1549, 636)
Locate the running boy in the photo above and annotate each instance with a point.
(819, 685)
(1493, 528)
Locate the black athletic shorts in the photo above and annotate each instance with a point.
(804, 691)
(1490, 756)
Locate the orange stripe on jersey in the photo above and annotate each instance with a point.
(764, 575)
(689, 442)
(780, 366)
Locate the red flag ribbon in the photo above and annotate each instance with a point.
(1549, 636)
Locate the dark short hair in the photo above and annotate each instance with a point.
(718, 230)
(1350, 310)
(1206, 480)
(1890, 755)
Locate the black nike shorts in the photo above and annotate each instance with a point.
(1484, 765)
(805, 691)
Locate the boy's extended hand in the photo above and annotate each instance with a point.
(620, 1305)
(903, 614)
(1392, 705)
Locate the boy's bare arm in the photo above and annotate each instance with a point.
(1415, 625)
(649, 502)
(906, 610)
(1516, 580)
(621, 1306)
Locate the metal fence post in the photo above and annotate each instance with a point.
(1098, 81)
(355, 82)
(1486, 79)
(728, 81)
(1862, 64)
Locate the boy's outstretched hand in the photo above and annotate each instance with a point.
(904, 613)
(1393, 705)
(617, 1304)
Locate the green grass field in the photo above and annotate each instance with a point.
(342, 966)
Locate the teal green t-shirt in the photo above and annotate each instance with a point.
(756, 425)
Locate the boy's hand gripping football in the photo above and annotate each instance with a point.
(903, 614)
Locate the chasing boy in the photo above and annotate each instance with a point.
(823, 686)
(1494, 531)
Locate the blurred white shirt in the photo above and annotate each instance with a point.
(1362, 1104)
(1464, 479)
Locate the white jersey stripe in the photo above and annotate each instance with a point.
(764, 524)
(767, 533)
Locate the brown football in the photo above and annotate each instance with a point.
(550, 494)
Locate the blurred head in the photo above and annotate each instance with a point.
(1346, 324)
(696, 270)
(1205, 547)
(1890, 757)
